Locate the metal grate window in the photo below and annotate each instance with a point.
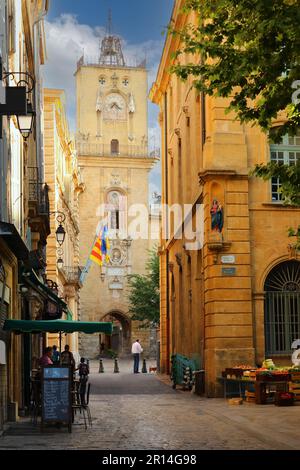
(282, 308)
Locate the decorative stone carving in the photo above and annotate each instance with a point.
(114, 80)
(115, 179)
(99, 102)
(131, 103)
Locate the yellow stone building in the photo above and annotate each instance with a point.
(235, 297)
(24, 223)
(64, 183)
(112, 146)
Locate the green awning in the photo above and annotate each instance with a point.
(54, 326)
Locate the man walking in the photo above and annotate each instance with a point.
(136, 350)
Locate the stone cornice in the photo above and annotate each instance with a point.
(209, 174)
(111, 162)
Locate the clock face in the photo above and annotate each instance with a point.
(115, 107)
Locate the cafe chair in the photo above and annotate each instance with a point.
(86, 405)
(78, 406)
(35, 400)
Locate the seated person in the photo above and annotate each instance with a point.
(46, 360)
(67, 358)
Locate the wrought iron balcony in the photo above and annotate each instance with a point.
(71, 274)
(38, 192)
(38, 200)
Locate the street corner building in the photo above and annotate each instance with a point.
(112, 148)
(236, 297)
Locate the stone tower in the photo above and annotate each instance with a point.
(112, 148)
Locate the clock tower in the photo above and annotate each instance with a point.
(112, 147)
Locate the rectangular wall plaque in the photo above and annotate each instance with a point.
(228, 259)
(228, 271)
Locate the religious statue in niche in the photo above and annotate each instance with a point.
(217, 216)
(99, 102)
(131, 104)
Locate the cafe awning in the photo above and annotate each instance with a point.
(54, 326)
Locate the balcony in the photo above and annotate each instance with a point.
(38, 202)
(72, 275)
(124, 151)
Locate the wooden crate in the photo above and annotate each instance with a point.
(295, 376)
(295, 388)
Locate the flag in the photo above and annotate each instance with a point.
(96, 254)
(105, 246)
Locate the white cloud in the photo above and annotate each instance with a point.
(67, 40)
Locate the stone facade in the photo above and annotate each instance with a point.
(63, 178)
(112, 148)
(213, 297)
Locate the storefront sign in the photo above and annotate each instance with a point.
(228, 259)
(228, 271)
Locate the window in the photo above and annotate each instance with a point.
(282, 307)
(288, 153)
(114, 147)
(116, 210)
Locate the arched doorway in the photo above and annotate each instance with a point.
(120, 341)
(282, 308)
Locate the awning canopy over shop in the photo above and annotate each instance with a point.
(13, 240)
(55, 326)
(30, 278)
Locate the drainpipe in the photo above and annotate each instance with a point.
(167, 231)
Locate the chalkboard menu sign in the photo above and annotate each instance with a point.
(56, 395)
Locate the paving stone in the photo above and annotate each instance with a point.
(140, 411)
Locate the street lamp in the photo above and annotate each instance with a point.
(25, 122)
(60, 234)
(13, 100)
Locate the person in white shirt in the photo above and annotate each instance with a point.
(136, 350)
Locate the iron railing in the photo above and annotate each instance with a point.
(72, 274)
(38, 192)
(102, 150)
(282, 321)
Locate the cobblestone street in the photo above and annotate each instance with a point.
(142, 411)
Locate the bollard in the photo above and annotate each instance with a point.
(144, 369)
(101, 368)
(116, 368)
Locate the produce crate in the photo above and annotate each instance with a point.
(295, 376)
(273, 378)
(284, 399)
(295, 389)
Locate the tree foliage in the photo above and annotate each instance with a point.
(247, 50)
(144, 298)
(289, 176)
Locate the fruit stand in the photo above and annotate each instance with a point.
(268, 384)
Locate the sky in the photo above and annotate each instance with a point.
(76, 26)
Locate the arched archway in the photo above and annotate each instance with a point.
(282, 307)
(120, 341)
